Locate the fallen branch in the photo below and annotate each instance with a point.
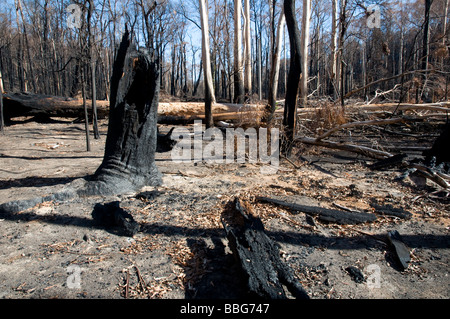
(324, 214)
(367, 151)
(360, 123)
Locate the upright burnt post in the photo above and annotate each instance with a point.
(129, 159)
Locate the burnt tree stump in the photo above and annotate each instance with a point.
(129, 159)
(258, 255)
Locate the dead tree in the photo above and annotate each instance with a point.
(290, 107)
(129, 160)
(206, 59)
(238, 66)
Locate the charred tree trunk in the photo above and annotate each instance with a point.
(129, 160)
(290, 107)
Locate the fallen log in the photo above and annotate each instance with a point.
(28, 104)
(324, 214)
(258, 255)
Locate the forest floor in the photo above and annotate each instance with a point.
(54, 250)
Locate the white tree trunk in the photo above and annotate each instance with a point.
(210, 98)
(238, 67)
(248, 50)
(206, 58)
(304, 47)
(334, 43)
(277, 56)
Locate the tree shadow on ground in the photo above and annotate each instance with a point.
(34, 181)
(211, 272)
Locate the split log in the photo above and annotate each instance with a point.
(258, 255)
(28, 104)
(324, 214)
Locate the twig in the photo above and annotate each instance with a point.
(127, 285)
(141, 280)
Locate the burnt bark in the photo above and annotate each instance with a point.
(293, 81)
(129, 159)
(258, 255)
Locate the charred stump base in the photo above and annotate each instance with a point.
(258, 255)
(129, 159)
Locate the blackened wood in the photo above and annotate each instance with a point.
(324, 214)
(257, 254)
(112, 216)
(401, 250)
(129, 159)
(293, 80)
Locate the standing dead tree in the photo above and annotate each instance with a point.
(275, 71)
(290, 107)
(206, 61)
(129, 159)
(238, 66)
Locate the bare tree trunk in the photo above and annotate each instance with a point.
(247, 51)
(342, 30)
(290, 107)
(426, 32)
(238, 69)
(209, 90)
(86, 117)
(27, 44)
(92, 67)
(304, 47)
(334, 43)
(275, 71)
(2, 122)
